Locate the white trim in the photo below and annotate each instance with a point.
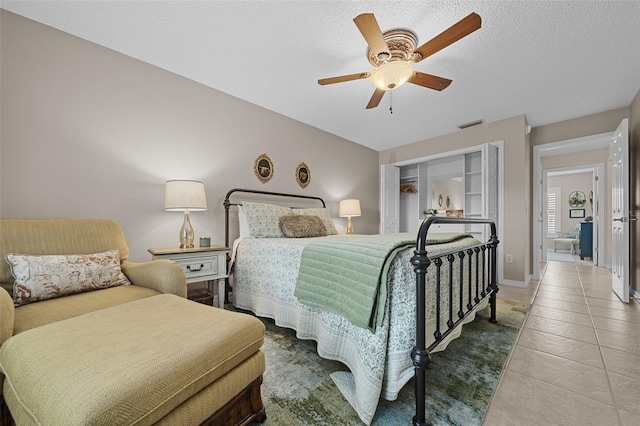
(586, 143)
(500, 230)
(445, 154)
(512, 283)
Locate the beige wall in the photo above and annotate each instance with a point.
(588, 125)
(634, 130)
(516, 237)
(88, 132)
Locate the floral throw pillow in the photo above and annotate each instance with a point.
(263, 220)
(50, 276)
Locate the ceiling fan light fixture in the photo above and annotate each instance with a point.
(391, 75)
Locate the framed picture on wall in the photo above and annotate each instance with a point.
(303, 175)
(263, 168)
(576, 213)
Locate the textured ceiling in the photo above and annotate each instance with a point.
(551, 61)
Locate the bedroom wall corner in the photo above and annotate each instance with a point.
(89, 132)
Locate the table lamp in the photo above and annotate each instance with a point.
(185, 196)
(348, 209)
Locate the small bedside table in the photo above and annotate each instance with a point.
(200, 264)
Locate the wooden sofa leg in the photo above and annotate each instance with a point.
(244, 409)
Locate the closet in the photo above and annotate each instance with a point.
(457, 184)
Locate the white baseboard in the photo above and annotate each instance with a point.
(512, 283)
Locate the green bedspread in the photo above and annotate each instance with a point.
(347, 274)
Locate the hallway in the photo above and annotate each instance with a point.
(577, 358)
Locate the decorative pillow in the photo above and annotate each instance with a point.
(263, 220)
(47, 277)
(244, 226)
(302, 226)
(323, 214)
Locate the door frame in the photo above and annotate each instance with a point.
(569, 146)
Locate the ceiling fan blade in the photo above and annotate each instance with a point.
(375, 99)
(342, 78)
(430, 81)
(449, 36)
(371, 32)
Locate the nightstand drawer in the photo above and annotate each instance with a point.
(198, 266)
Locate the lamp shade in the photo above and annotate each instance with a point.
(391, 75)
(349, 208)
(184, 195)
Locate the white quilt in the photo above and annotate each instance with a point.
(264, 279)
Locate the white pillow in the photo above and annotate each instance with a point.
(50, 276)
(244, 226)
(263, 220)
(323, 214)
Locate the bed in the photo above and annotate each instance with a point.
(455, 277)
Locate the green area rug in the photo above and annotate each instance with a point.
(297, 389)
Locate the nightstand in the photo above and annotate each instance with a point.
(200, 264)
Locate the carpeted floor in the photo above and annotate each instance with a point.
(297, 389)
(560, 256)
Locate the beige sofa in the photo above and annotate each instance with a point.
(230, 396)
(69, 237)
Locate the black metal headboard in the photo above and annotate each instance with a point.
(227, 204)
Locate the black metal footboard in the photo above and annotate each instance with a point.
(474, 281)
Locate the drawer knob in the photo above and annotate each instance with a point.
(195, 270)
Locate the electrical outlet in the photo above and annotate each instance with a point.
(508, 258)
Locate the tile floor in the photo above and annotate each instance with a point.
(577, 358)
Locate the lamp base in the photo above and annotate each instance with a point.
(349, 229)
(186, 232)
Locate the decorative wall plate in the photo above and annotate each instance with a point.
(263, 168)
(577, 199)
(303, 175)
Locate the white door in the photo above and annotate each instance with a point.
(390, 199)
(490, 187)
(595, 211)
(481, 189)
(619, 157)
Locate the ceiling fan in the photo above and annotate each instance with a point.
(394, 52)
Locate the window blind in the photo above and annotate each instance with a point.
(553, 212)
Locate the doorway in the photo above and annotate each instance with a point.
(586, 153)
(573, 207)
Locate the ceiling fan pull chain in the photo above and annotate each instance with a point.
(391, 102)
